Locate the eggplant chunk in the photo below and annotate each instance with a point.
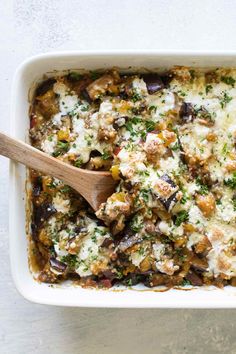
(128, 241)
(99, 86)
(57, 266)
(37, 187)
(194, 278)
(187, 112)
(43, 213)
(166, 191)
(199, 264)
(44, 87)
(154, 82)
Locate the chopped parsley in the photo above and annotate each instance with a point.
(184, 198)
(65, 189)
(229, 80)
(61, 148)
(182, 93)
(78, 163)
(203, 188)
(153, 108)
(141, 251)
(135, 128)
(106, 155)
(144, 194)
(225, 149)
(192, 74)
(136, 96)
(186, 282)
(129, 282)
(136, 224)
(119, 274)
(74, 75)
(89, 138)
(181, 217)
(225, 99)
(94, 238)
(84, 108)
(99, 231)
(231, 182)
(208, 88)
(70, 260)
(150, 125)
(234, 202)
(94, 75)
(179, 252)
(144, 173)
(136, 120)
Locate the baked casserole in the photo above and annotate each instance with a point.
(169, 139)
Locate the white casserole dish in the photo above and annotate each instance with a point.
(68, 295)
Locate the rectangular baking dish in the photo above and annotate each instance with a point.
(26, 76)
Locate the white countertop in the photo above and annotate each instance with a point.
(29, 27)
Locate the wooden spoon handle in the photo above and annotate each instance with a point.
(33, 158)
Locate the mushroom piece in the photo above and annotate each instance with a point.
(154, 82)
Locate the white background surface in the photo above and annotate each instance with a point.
(28, 27)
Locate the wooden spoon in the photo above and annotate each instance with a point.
(94, 186)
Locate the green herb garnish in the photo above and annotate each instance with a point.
(150, 125)
(94, 75)
(136, 224)
(61, 148)
(184, 197)
(229, 80)
(192, 74)
(78, 163)
(175, 147)
(225, 149)
(74, 75)
(106, 155)
(181, 217)
(136, 96)
(234, 202)
(203, 187)
(65, 189)
(153, 108)
(225, 99)
(231, 182)
(84, 108)
(186, 282)
(70, 260)
(208, 88)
